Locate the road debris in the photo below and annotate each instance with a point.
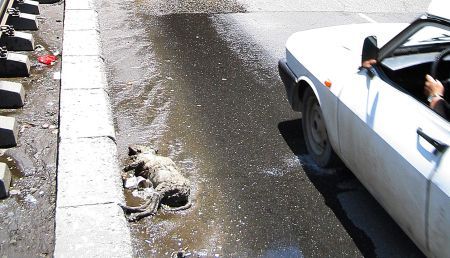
(47, 59)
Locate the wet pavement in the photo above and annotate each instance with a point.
(27, 216)
(202, 86)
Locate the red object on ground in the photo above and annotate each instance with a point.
(47, 59)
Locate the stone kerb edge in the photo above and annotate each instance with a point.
(81, 20)
(80, 4)
(86, 175)
(85, 113)
(86, 234)
(79, 228)
(91, 67)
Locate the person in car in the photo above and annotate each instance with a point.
(434, 89)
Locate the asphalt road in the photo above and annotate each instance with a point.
(198, 80)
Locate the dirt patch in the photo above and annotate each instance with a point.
(27, 217)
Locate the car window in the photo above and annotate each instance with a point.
(428, 35)
(408, 63)
(428, 38)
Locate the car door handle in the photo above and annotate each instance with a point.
(441, 147)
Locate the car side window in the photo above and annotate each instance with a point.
(425, 51)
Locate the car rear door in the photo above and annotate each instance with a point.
(378, 137)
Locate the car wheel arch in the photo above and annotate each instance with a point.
(302, 84)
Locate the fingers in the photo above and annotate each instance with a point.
(368, 63)
(429, 78)
(433, 86)
(428, 81)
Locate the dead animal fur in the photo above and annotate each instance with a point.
(172, 189)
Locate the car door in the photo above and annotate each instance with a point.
(438, 223)
(379, 142)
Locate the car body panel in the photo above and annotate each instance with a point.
(383, 149)
(439, 214)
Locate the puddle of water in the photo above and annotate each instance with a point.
(221, 142)
(285, 252)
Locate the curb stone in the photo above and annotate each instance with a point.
(89, 223)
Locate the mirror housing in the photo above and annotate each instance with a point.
(370, 49)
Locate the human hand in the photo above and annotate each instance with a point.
(368, 63)
(433, 87)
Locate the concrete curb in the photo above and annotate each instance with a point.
(89, 223)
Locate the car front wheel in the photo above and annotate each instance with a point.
(315, 132)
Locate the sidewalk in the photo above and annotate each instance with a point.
(89, 223)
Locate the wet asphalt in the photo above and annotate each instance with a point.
(198, 80)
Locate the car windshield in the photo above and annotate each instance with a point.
(428, 35)
(429, 38)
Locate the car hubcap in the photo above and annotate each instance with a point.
(318, 131)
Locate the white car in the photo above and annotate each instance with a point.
(378, 120)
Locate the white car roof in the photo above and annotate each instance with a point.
(440, 8)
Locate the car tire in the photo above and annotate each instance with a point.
(315, 132)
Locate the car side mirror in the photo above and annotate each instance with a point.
(370, 49)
